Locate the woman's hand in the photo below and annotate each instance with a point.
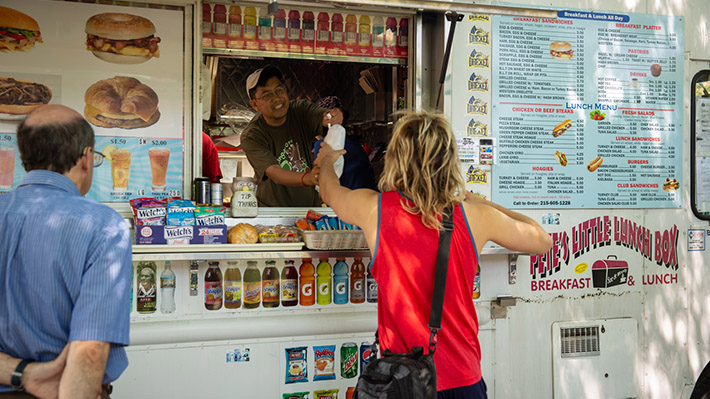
(327, 156)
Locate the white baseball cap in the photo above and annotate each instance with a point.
(260, 76)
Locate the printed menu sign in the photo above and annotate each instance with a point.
(588, 110)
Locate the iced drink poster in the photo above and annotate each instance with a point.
(588, 110)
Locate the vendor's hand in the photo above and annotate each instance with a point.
(41, 379)
(311, 177)
(335, 118)
(327, 155)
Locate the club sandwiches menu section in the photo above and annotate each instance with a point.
(120, 67)
(588, 110)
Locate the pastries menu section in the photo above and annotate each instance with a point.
(588, 110)
(121, 68)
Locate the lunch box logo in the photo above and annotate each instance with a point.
(609, 272)
(476, 129)
(478, 36)
(476, 176)
(476, 106)
(477, 83)
(478, 60)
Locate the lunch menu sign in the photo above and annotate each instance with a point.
(587, 110)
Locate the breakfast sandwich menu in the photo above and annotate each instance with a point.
(587, 110)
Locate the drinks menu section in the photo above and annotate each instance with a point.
(588, 110)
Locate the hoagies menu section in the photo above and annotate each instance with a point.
(588, 110)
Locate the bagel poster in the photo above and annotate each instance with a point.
(120, 67)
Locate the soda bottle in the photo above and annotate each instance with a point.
(234, 28)
(340, 281)
(371, 287)
(219, 26)
(146, 297)
(270, 285)
(364, 38)
(213, 287)
(167, 289)
(378, 36)
(336, 35)
(322, 33)
(264, 31)
(308, 32)
(350, 39)
(477, 283)
(324, 282)
(280, 30)
(293, 34)
(306, 283)
(402, 38)
(391, 37)
(357, 281)
(232, 286)
(206, 25)
(289, 284)
(249, 21)
(252, 286)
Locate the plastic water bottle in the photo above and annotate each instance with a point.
(167, 289)
(336, 140)
(340, 281)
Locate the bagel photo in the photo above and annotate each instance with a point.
(18, 31)
(121, 38)
(561, 50)
(19, 97)
(122, 102)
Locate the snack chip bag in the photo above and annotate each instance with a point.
(325, 362)
(313, 215)
(148, 211)
(296, 365)
(326, 394)
(209, 215)
(296, 395)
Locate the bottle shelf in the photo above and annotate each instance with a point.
(302, 56)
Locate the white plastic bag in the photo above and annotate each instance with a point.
(336, 140)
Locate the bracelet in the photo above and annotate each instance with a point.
(302, 177)
(16, 377)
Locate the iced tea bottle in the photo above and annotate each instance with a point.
(289, 284)
(146, 286)
(270, 285)
(232, 286)
(357, 281)
(213, 287)
(252, 286)
(324, 282)
(306, 283)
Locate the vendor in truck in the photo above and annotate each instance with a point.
(278, 141)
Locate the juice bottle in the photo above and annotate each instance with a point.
(249, 21)
(391, 37)
(308, 32)
(145, 282)
(324, 282)
(477, 283)
(306, 283)
(378, 36)
(232, 286)
(364, 38)
(340, 281)
(270, 285)
(289, 284)
(252, 286)
(206, 25)
(219, 26)
(322, 33)
(336, 35)
(402, 38)
(213, 287)
(280, 30)
(371, 287)
(357, 281)
(264, 31)
(293, 35)
(350, 39)
(234, 28)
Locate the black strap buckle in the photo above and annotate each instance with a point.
(432, 340)
(447, 223)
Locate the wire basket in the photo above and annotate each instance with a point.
(334, 239)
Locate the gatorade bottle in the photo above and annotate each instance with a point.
(336, 35)
(293, 34)
(270, 285)
(264, 31)
(249, 21)
(252, 286)
(350, 39)
(403, 39)
(232, 286)
(234, 28)
(308, 32)
(306, 283)
(322, 33)
(213, 287)
(391, 37)
(324, 282)
(219, 26)
(280, 30)
(371, 287)
(357, 281)
(364, 38)
(477, 283)
(206, 25)
(340, 281)
(378, 36)
(289, 285)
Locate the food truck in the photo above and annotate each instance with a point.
(590, 117)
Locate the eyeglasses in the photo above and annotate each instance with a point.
(279, 91)
(98, 158)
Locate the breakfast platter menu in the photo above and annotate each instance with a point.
(588, 110)
(121, 68)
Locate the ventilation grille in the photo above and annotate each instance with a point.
(580, 341)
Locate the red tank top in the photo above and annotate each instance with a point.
(404, 266)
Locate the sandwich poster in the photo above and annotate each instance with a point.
(588, 110)
(120, 67)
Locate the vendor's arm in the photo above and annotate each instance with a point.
(290, 178)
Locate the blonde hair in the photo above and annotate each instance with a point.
(422, 162)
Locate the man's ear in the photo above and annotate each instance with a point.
(253, 105)
(87, 161)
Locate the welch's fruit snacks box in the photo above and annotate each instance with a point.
(176, 235)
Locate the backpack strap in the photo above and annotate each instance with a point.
(442, 264)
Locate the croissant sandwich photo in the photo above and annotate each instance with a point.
(18, 31)
(121, 38)
(122, 102)
(20, 97)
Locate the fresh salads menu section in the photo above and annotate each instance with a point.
(587, 110)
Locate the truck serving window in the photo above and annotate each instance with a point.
(700, 144)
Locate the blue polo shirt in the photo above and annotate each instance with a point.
(65, 270)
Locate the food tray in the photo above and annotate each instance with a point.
(334, 239)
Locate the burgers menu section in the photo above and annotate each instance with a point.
(588, 110)
(120, 67)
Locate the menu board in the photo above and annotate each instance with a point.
(130, 91)
(588, 110)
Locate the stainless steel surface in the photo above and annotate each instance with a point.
(300, 56)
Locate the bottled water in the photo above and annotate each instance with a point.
(167, 289)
